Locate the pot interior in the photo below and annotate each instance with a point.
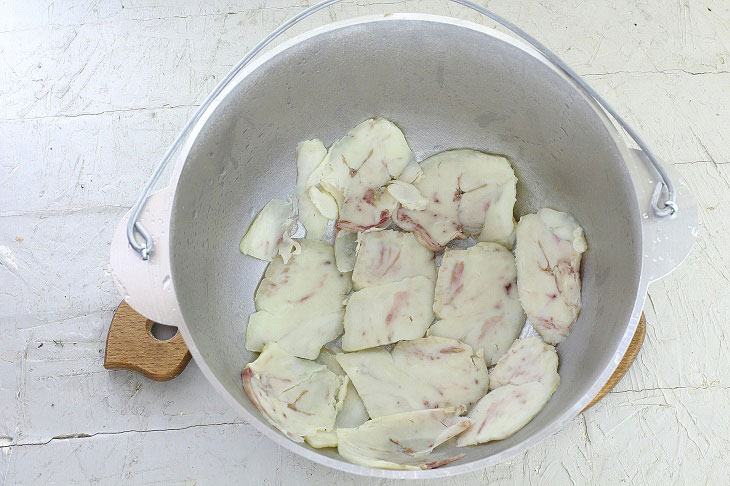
(447, 85)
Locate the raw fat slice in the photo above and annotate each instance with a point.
(504, 411)
(412, 173)
(300, 303)
(388, 313)
(404, 440)
(425, 373)
(476, 299)
(297, 396)
(469, 193)
(310, 154)
(527, 360)
(549, 248)
(353, 411)
(456, 374)
(270, 233)
(345, 250)
(522, 382)
(301, 335)
(407, 195)
(358, 168)
(390, 256)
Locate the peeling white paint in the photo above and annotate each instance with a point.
(7, 258)
(70, 116)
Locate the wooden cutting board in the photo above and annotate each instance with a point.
(130, 345)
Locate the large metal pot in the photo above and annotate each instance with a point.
(448, 84)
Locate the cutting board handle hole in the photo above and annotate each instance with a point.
(162, 332)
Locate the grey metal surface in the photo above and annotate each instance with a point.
(667, 241)
(662, 205)
(448, 84)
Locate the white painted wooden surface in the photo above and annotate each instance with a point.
(91, 93)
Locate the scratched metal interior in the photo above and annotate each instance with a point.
(447, 86)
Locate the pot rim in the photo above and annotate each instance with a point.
(455, 468)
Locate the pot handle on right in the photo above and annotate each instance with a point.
(667, 240)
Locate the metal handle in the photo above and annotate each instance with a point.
(667, 208)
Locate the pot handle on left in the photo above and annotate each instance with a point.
(667, 240)
(146, 285)
(149, 297)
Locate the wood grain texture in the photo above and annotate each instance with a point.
(631, 352)
(130, 345)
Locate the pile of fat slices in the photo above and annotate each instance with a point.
(366, 343)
